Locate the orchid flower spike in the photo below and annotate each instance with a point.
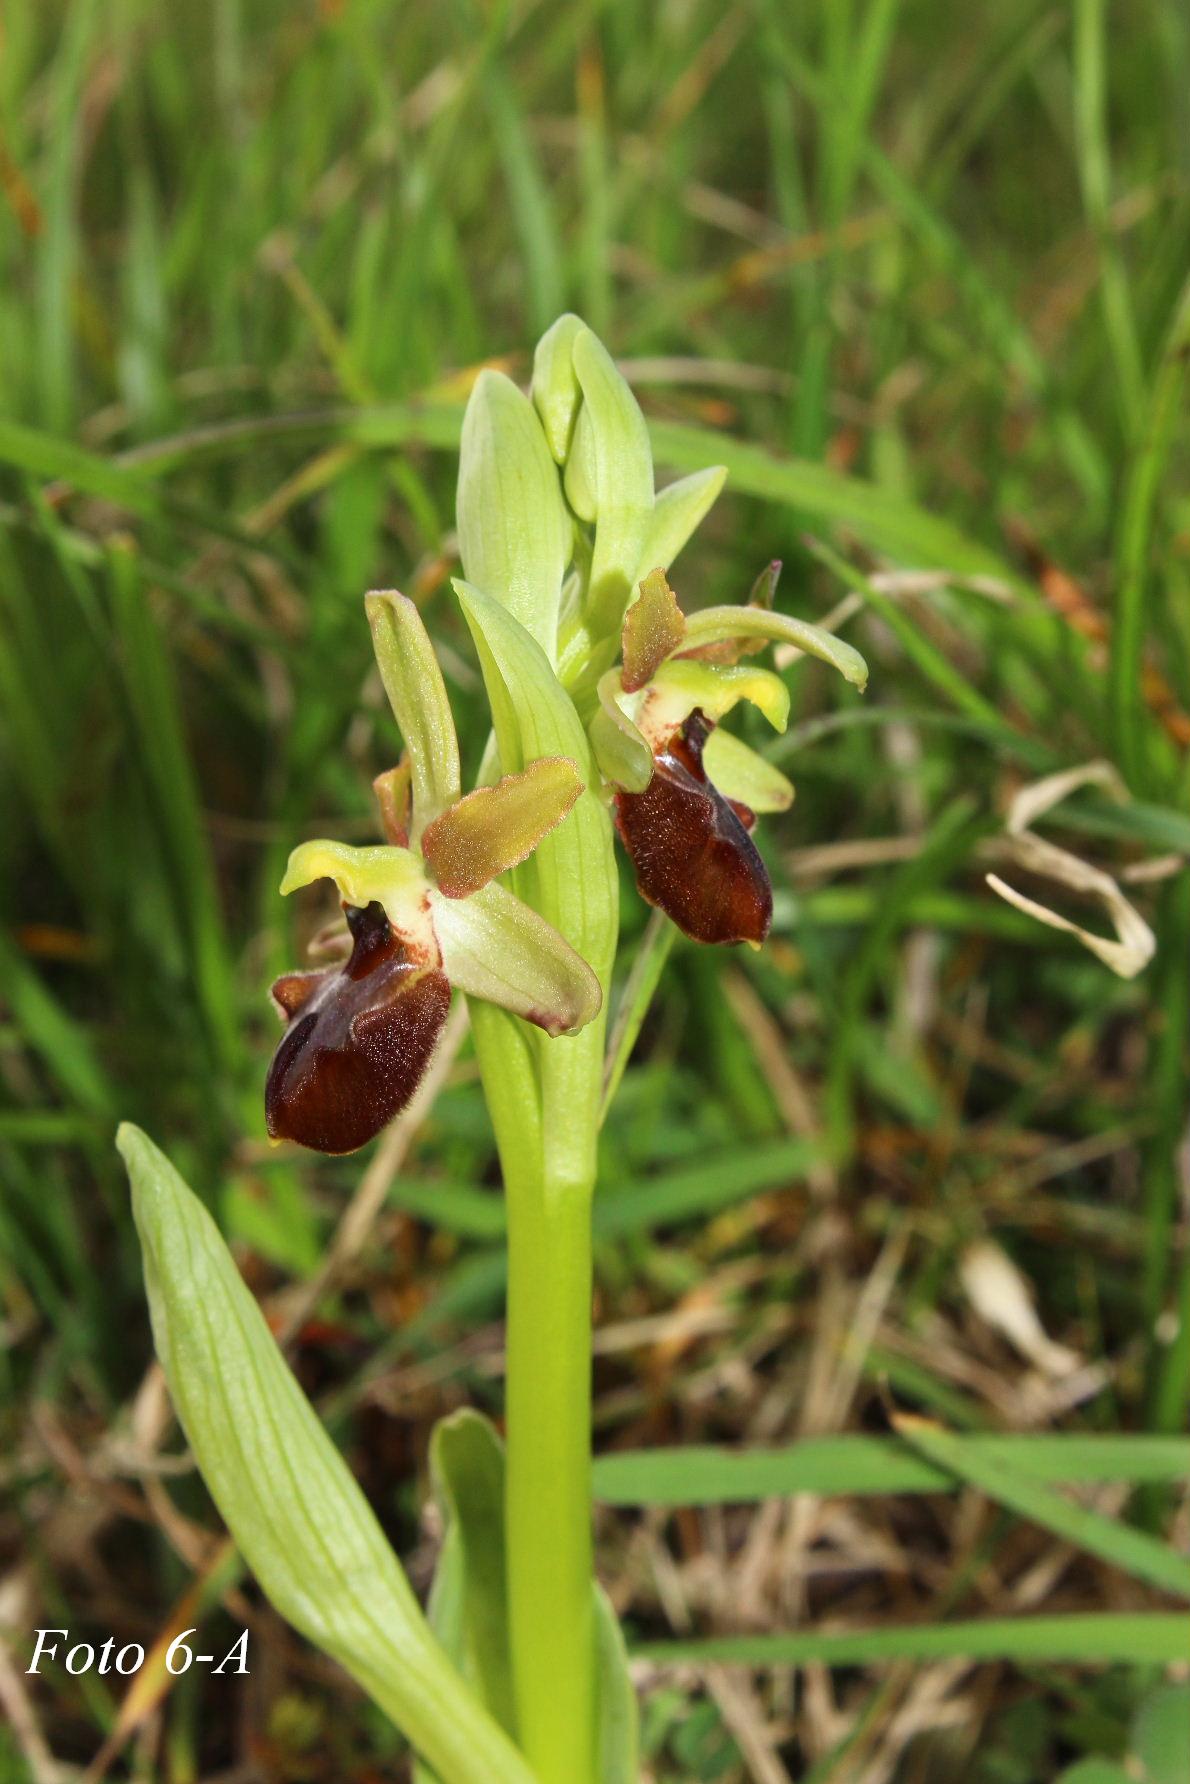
(686, 793)
(425, 913)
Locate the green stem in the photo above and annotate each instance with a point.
(544, 1099)
(548, 1494)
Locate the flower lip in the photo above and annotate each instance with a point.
(358, 1040)
(690, 847)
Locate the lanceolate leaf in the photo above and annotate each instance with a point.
(713, 625)
(495, 828)
(514, 531)
(417, 694)
(497, 947)
(284, 1491)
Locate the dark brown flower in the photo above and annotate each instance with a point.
(358, 1040)
(690, 847)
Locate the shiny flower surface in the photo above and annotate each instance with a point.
(690, 847)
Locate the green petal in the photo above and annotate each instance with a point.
(495, 828)
(619, 469)
(682, 684)
(677, 512)
(417, 694)
(624, 757)
(714, 624)
(556, 393)
(654, 627)
(740, 773)
(514, 531)
(496, 947)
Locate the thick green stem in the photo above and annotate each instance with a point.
(544, 1101)
(548, 1516)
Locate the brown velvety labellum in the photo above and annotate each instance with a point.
(358, 1040)
(693, 856)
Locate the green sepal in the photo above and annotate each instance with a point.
(514, 531)
(677, 512)
(284, 1491)
(742, 774)
(417, 693)
(715, 625)
(555, 390)
(624, 757)
(496, 947)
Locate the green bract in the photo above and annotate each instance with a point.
(514, 531)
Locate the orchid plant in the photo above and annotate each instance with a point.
(606, 701)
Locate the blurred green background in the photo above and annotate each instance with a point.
(924, 269)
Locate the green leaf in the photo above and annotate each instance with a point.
(1095, 1771)
(1134, 1551)
(1161, 1734)
(740, 773)
(417, 694)
(469, 1600)
(677, 511)
(1132, 1637)
(617, 1757)
(704, 1475)
(715, 625)
(497, 947)
(514, 532)
(285, 1493)
(467, 1466)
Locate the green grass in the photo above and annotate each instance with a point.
(918, 277)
